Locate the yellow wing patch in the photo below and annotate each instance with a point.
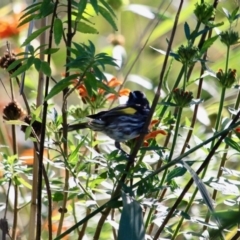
(128, 110)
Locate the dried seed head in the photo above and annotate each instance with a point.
(116, 39)
(4, 226)
(36, 125)
(13, 111)
(7, 59)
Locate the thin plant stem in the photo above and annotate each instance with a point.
(113, 229)
(202, 167)
(74, 214)
(141, 137)
(221, 135)
(69, 36)
(42, 140)
(82, 232)
(177, 125)
(139, 49)
(39, 99)
(224, 157)
(183, 150)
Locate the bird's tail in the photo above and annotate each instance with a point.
(77, 126)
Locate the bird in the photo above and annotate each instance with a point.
(121, 123)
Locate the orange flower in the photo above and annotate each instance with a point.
(112, 84)
(9, 26)
(237, 129)
(28, 154)
(153, 122)
(123, 92)
(154, 134)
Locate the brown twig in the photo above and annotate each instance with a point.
(41, 169)
(69, 36)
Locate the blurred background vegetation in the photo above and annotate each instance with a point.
(138, 31)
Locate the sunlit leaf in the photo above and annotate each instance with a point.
(85, 28)
(34, 35)
(108, 17)
(95, 5)
(81, 7)
(61, 85)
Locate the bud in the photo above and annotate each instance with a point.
(181, 98)
(187, 55)
(204, 12)
(227, 79)
(229, 38)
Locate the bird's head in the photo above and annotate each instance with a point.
(138, 98)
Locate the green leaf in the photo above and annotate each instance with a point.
(28, 19)
(232, 144)
(108, 17)
(202, 189)
(20, 70)
(90, 83)
(108, 7)
(226, 12)
(32, 6)
(85, 28)
(207, 44)
(61, 85)
(95, 5)
(81, 7)
(46, 68)
(14, 64)
(57, 30)
(30, 61)
(176, 172)
(30, 49)
(23, 182)
(229, 219)
(16, 122)
(38, 64)
(131, 225)
(73, 157)
(28, 132)
(34, 35)
(57, 196)
(172, 54)
(50, 50)
(46, 8)
(187, 31)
